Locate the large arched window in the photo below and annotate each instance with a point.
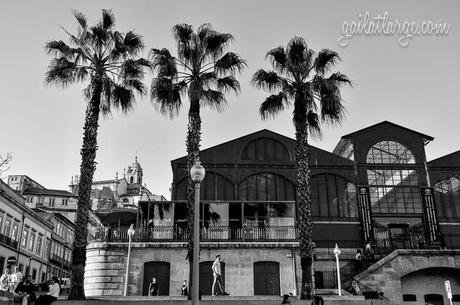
(265, 149)
(389, 152)
(333, 196)
(213, 187)
(447, 197)
(266, 187)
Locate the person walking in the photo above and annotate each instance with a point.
(15, 278)
(52, 295)
(5, 280)
(153, 287)
(217, 274)
(184, 288)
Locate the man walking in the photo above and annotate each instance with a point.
(217, 274)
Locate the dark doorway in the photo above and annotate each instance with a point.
(266, 278)
(206, 277)
(159, 270)
(434, 299)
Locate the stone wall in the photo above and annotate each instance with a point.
(106, 265)
(386, 274)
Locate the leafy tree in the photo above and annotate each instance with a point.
(301, 77)
(202, 70)
(109, 61)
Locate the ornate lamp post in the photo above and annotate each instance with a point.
(337, 253)
(197, 173)
(131, 232)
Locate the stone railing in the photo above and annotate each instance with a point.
(213, 233)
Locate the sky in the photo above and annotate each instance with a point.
(413, 85)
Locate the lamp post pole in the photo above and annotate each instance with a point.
(131, 232)
(197, 173)
(337, 253)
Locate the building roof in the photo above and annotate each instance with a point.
(427, 138)
(451, 159)
(48, 192)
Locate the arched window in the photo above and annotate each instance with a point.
(389, 152)
(213, 187)
(266, 187)
(333, 196)
(447, 197)
(265, 149)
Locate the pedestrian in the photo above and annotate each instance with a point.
(5, 280)
(217, 274)
(153, 287)
(286, 299)
(358, 260)
(15, 278)
(184, 288)
(26, 290)
(52, 294)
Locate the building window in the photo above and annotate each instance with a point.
(266, 187)
(32, 240)
(51, 202)
(39, 245)
(46, 249)
(1, 222)
(333, 196)
(7, 228)
(213, 187)
(409, 298)
(14, 233)
(64, 201)
(265, 149)
(390, 152)
(447, 197)
(34, 274)
(25, 234)
(394, 191)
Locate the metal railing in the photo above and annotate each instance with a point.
(5, 240)
(213, 233)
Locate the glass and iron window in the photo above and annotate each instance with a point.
(266, 187)
(447, 198)
(265, 149)
(390, 152)
(213, 187)
(333, 196)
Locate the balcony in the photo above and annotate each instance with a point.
(7, 241)
(214, 233)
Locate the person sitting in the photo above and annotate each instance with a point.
(26, 290)
(52, 295)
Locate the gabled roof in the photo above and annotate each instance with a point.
(47, 192)
(426, 138)
(262, 131)
(452, 159)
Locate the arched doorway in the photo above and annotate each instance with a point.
(206, 277)
(266, 278)
(159, 270)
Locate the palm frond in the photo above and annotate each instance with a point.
(62, 72)
(332, 109)
(182, 32)
(325, 60)
(108, 19)
(213, 99)
(133, 43)
(267, 80)
(123, 98)
(204, 30)
(278, 59)
(59, 48)
(314, 125)
(167, 95)
(80, 18)
(296, 51)
(216, 43)
(272, 105)
(163, 62)
(340, 79)
(230, 63)
(227, 84)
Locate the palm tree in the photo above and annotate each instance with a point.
(108, 59)
(204, 71)
(302, 78)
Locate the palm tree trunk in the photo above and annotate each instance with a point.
(87, 167)
(304, 223)
(193, 151)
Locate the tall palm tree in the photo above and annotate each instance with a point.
(301, 77)
(109, 61)
(202, 70)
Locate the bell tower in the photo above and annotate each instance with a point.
(134, 174)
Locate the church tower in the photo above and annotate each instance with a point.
(134, 173)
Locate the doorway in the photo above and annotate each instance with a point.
(159, 270)
(266, 278)
(206, 277)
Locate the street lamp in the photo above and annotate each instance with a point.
(337, 253)
(131, 232)
(197, 173)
